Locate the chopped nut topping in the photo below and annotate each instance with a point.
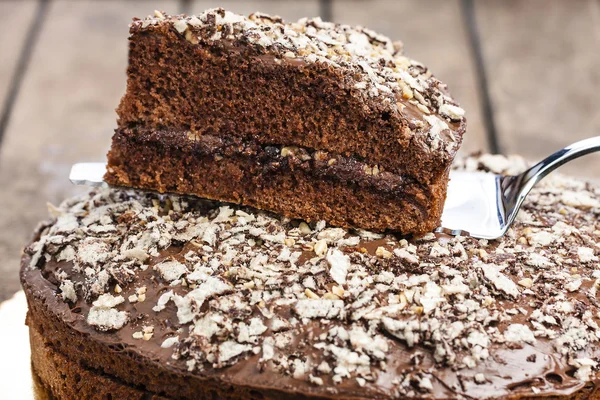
(240, 285)
(320, 248)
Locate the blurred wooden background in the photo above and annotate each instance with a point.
(526, 71)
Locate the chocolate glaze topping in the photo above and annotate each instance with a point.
(215, 290)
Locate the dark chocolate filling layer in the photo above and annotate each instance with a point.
(281, 159)
(296, 182)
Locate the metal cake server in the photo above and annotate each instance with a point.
(478, 204)
(485, 205)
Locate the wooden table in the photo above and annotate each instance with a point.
(526, 71)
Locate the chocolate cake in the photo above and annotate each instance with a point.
(144, 296)
(311, 120)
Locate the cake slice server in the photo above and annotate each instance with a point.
(479, 204)
(484, 205)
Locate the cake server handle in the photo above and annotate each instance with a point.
(515, 188)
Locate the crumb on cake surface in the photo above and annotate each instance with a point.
(333, 311)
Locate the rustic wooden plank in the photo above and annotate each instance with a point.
(15, 20)
(543, 60)
(64, 113)
(433, 33)
(290, 10)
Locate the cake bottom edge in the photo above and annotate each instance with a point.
(57, 377)
(71, 364)
(63, 378)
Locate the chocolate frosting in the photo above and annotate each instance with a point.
(326, 312)
(510, 370)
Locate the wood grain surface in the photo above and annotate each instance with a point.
(64, 113)
(543, 63)
(15, 22)
(58, 95)
(433, 33)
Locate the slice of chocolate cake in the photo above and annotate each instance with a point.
(311, 120)
(143, 296)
